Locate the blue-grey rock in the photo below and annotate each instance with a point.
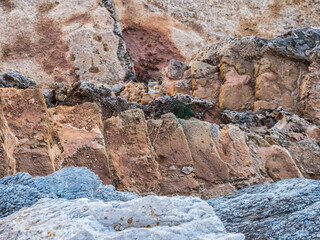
(15, 80)
(286, 210)
(21, 190)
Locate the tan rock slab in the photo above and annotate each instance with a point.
(173, 155)
(279, 163)
(132, 159)
(26, 132)
(79, 139)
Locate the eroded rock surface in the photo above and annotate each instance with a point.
(157, 31)
(144, 218)
(284, 210)
(50, 43)
(69, 183)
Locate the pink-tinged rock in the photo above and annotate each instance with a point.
(26, 134)
(132, 159)
(233, 150)
(279, 163)
(173, 155)
(79, 140)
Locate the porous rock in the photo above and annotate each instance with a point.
(145, 218)
(49, 42)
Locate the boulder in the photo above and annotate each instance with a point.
(144, 218)
(78, 135)
(209, 169)
(173, 156)
(285, 210)
(26, 135)
(69, 183)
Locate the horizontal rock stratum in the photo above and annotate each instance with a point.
(164, 155)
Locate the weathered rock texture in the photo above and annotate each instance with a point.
(144, 218)
(157, 31)
(169, 153)
(47, 42)
(285, 210)
(21, 190)
(253, 73)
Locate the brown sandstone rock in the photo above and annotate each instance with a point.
(79, 140)
(26, 133)
(132, 159)
(279, 163)
(173, 156)
(60, 41)
(4, 170)
(309, 106)
(296, 136)
(192, 24)
(233, 150)
(277, 82)
(206, 81)
(209, 169)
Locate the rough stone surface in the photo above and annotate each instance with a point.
(285, 210)
(145, 218)
(50, 43)
(27, 137)
(253, 73)
(180, 104)
(132, 159)
(15, 80)
(173, 155)
(69, 183)
(154, 28)
(78, 139)
(209, 169)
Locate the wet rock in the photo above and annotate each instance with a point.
(146, 218)
(285, 210)
(15, 80)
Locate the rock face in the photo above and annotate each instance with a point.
(145, 218)
(157, 31)
(165, 151)
(131, 156)
(284, 210)
(27, 136)
(253, 73)
(49, 43)
(69, 183)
